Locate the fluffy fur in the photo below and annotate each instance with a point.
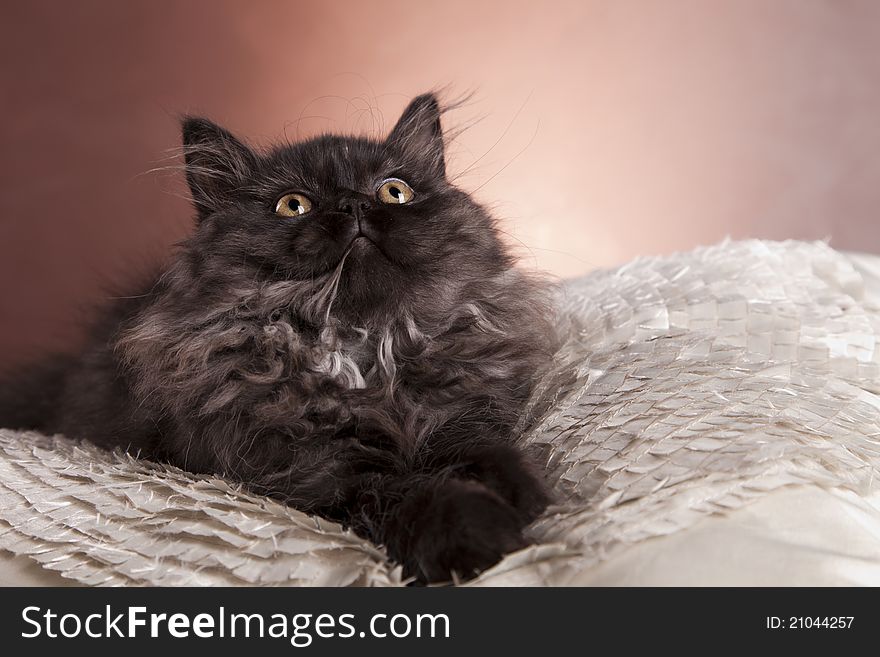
(365, 362)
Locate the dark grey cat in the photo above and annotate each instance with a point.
(344, 331)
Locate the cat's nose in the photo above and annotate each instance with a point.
(356, 205)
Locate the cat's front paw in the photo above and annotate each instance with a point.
(505, 470)
(458, 529)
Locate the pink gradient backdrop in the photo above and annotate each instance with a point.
(608, 129)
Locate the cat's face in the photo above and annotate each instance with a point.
(386, 208)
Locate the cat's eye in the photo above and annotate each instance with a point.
(394, 190)
(293, 205)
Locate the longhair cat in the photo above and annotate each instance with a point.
(343, 331)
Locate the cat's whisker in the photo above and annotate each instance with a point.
(501, 136)
(512, 160)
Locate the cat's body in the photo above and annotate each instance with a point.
(359, 354)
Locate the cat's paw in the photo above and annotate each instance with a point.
(505, 470)
(458, 530)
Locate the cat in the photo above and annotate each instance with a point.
(344, 331)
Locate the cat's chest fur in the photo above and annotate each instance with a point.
(353, 358)
(350, 378)
(263, 353)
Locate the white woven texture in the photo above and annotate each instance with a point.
(689, 385)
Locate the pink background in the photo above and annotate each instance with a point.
(607, 129)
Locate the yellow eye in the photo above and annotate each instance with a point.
(292, 205)
(394, 190)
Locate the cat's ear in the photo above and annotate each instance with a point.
(418, 132)
(217, 164)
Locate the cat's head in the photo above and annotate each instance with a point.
(406, 233)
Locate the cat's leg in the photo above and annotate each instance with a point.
(496, 464)
(459, 508)
(450, 509)
(438, 526)
(438, 522)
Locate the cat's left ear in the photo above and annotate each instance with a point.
(419, 133)
(217, 164)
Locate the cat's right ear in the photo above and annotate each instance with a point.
(217, 164)
(418, 131)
